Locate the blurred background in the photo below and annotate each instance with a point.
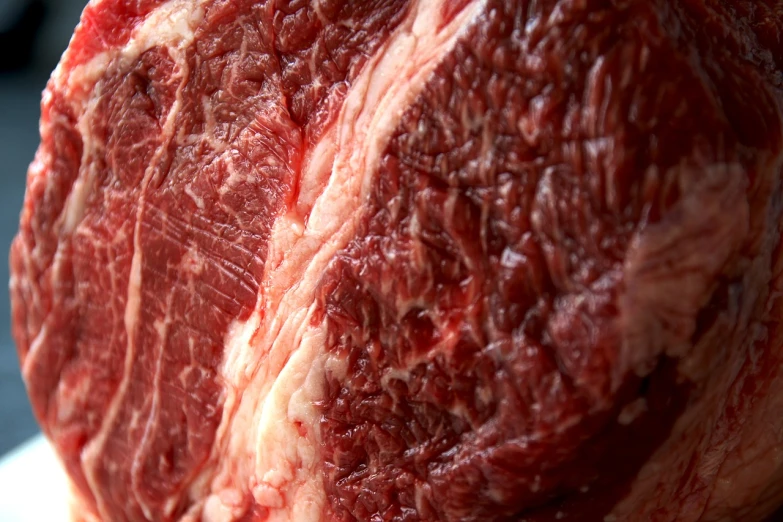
(33, 35)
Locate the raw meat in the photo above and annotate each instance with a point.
(410, 260)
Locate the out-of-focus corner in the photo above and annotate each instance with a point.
(33, 35)
(21, 25)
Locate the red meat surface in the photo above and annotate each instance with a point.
(410, 260)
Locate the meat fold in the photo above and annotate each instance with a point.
(410, 261)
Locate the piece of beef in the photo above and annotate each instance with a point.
(410, 260)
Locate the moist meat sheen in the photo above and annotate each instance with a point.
(410, 260)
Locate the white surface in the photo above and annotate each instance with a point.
(33, 487)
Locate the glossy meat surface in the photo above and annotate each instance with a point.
(410, 261)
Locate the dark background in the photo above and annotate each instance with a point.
(33, 35)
